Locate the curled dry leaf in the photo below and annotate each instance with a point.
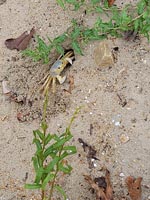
(134, 187)
(102, 186)
(5, 87)
(71, 84)
(99, 191)
(21, 42)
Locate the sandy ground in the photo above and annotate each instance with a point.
(115, 103)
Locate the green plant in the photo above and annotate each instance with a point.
(75, 3)
(119, 21)
(49, 158)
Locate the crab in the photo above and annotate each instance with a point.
(55, 72)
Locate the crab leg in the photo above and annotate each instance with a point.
(61, 79)
(45, 77)
(54, 85)
(47, 84)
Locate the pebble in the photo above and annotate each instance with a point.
(117, 120)
(95, 165)
(121, 174)
(124, 138)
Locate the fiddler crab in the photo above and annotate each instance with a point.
(55, 71)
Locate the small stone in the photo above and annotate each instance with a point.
(121, 174)
(117, 123)
(95, 165)
(103, 55)
(117, 120)
(124, 138)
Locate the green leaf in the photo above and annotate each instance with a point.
(42, 46)
(140, 6)
(65, 154)
(76, 47)
(56, 137)
(39, 133)
(35, 163)
(95, 1)
(48, 139)
(51, 165)
(62, 141)
(60, 49)
(146, 14)
(136, 25)
(56, 145)
(38, 144)
(48, 178)
(61, 191)
(60, 39)
(99, 9)
(70, 149)
(66, 169)
(61, 3)
(32, 186)
(39, 174)
(75, 33)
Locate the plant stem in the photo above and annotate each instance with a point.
(43, 194)
(44, 133)
(136, 18)
(45, 106)
(53, 183)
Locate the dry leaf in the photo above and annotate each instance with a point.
(71, 84)
(21, 42)
(103, 188)
(99, 191)
(134, 187)
(109, 190)
(111, 2)
(5, 87)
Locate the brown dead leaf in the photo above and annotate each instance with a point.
(21, 42)
(111, 2)
(102, 186)
(109, 190)
(99, 191)
(134, 187)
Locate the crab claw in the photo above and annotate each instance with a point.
(69, 60)
(61, 79)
